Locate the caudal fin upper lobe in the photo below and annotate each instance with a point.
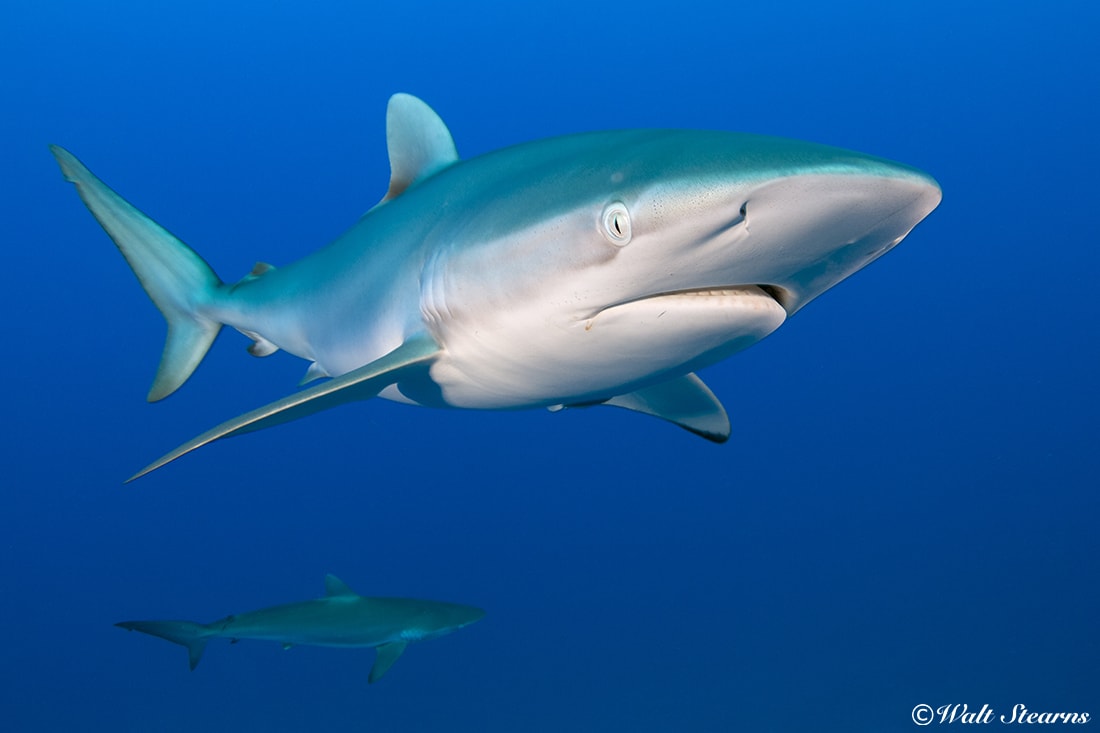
(175, 277)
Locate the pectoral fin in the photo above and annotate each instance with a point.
(387, 655)
(685, 401)
(361, 384)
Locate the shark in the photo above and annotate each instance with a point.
(599, 268)
(342, 618)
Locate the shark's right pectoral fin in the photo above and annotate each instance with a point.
(387, 655)
(685, 401)
(361, 384)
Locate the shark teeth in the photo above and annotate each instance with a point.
(725, 291)
(703, 292)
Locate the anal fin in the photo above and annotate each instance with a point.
(259, 346)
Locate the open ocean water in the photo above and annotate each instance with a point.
(907, 513)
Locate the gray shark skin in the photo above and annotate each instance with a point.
(341, 619)
(598, 268)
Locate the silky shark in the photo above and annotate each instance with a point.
(341, 619)
(601, 268)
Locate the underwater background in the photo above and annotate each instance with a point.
(907, 512)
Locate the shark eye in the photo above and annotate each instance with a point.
(616, 224)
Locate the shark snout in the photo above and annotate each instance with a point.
(912, 191)
(473, 615)
(457, 616)
(452, 618)
(804, 233)
(903, 202)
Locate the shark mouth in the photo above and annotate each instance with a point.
(712, 297)
(710, 315)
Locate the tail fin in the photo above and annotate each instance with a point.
(173, 275)
(186, 633)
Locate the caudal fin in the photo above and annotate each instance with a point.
(177, 280)
(186, 633)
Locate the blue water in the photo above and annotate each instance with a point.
(907, 512)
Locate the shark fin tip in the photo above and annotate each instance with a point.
(336, 587)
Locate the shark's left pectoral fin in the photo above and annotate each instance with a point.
(685, 401)
(361, 384)
(387, 655)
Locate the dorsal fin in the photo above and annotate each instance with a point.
(419, 143)
(336, 587)
(258, 270)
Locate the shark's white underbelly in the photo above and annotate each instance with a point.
(524, 360)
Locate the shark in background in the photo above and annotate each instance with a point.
(341, 619)
(601, 268)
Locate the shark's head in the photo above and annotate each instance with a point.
(436, 618)
(701, 212)
(592, 265)
(461, 616)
